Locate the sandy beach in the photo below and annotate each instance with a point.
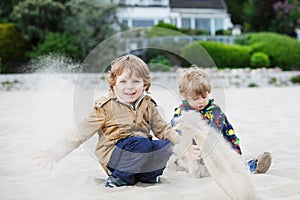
(265, 119)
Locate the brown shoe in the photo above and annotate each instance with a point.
(263, 163)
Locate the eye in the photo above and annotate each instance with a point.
(122, 81)
(136, 81)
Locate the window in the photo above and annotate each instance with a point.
(203, 23)
(219, 24)
(186, 23)
(142, 23)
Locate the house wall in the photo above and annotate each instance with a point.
(142, 13)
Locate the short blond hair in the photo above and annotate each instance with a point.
(194, 82)
(131, 63)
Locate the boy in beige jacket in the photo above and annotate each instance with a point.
(123, 120)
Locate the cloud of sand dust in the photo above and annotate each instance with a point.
(223, 164)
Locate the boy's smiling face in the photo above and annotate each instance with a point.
(198, 102)
(129, 87)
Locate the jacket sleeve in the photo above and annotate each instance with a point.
(161, 129)
(220, 120)
(176, 120)
(83, 131)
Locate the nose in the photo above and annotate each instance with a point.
(200, 101)
(129, 85)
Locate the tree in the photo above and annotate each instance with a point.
(36, 18)
(287, 17)
(12, 49)
(6, 7)
(235, 8)
(90, 22)
(258, 15)
(57, 43)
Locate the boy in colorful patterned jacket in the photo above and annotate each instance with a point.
(195, 88)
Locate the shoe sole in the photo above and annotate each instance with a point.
(263, 163)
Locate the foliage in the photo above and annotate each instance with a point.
(251, 85)
(260, 59)
(91, 22)
(163, 29)
(12, 49)
(223, 32)
(193, 31)
(287, 17)
(295, 79)
(174, 57)
(36, 18)
(166, 25)
(258, 14)
(234, 8)
(160, 63)
(57, 43)
(283, 50)
(6, 7)
(223, 55)
(281, 16)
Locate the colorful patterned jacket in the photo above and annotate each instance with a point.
(214, 116)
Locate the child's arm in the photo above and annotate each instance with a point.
(161, 128)
(176, 120)
(220, 120)
(59, 149)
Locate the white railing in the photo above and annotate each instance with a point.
(144, 2)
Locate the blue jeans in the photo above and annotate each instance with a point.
(139, 159)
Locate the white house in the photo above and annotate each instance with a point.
(209, 15)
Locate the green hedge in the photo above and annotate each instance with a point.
(283, 51)
(160, 63)
(260, 59)
(12, 46)
(295, 79)
(223, 55)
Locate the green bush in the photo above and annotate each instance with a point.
(251, 85)
(174, 57)
(295, 79)
(260, 59)
(166, 25)
(58, 44)
(163, 29)
(160, 63)
(12, 46)
(223, 32)
(283, 50)
(223, 55)
(189, 31)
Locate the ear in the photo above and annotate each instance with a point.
(145, 86)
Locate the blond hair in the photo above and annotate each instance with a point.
(134, 65)
(194, 82)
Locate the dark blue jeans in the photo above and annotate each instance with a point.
(141, 159)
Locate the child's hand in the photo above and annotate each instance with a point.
(46, 161)
(196, 152)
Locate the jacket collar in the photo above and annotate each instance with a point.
(114, 95)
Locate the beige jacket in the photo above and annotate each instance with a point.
(114, 120)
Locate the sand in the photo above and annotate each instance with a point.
(265, 119)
